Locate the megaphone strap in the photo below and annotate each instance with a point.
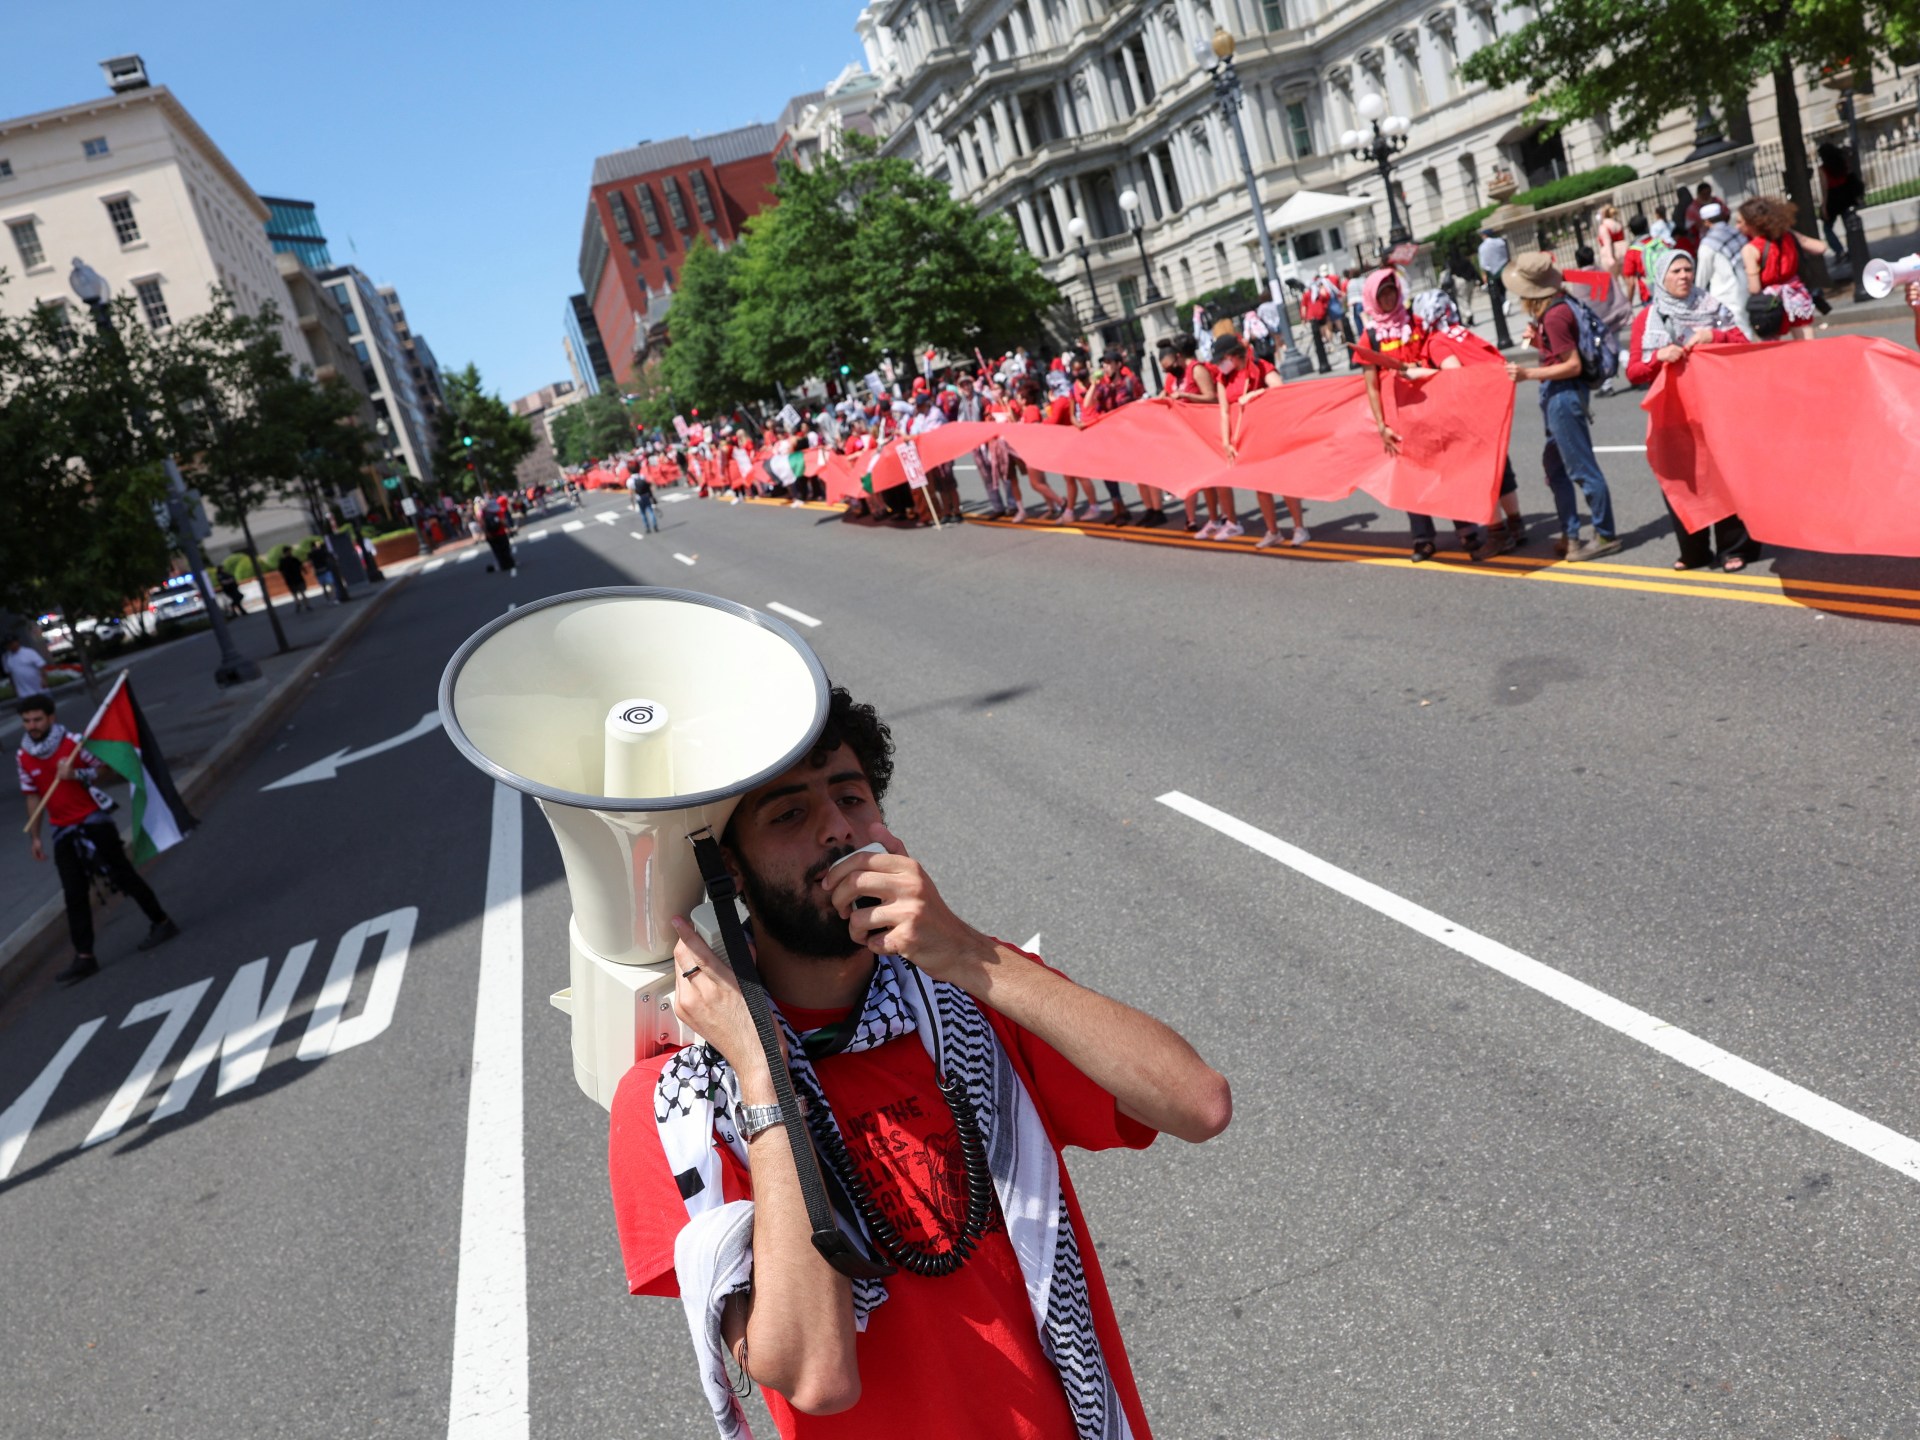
(834, 1246)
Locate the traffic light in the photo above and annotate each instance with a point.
(846, 369)
(466, 440)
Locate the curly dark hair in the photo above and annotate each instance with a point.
(860, 728)
(1769, 215)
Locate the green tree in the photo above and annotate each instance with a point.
(501, 439)
(596, 427)
(78, 483)
(1637, 62)
(699, 369)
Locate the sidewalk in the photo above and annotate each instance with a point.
(198, 724)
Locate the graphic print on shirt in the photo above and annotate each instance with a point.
(917, 1176)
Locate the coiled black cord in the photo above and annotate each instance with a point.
(904, 1254)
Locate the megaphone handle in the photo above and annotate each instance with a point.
(833, 1246)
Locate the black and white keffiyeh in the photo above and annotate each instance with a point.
(695, 1103)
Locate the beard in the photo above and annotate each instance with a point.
(800, 918)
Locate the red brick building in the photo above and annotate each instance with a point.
(648, 206)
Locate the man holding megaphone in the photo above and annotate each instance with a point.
(941, 1072)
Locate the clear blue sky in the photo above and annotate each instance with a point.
(448, 146)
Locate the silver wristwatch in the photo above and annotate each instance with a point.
(750, 1120)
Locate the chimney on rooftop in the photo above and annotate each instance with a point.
(124, 73)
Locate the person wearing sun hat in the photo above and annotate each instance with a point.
(1554, 332)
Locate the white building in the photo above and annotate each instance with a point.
(1050, 111)
(404, 418)
(133, 186)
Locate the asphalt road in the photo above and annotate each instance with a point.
(1450, 1203)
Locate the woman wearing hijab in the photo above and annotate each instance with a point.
(1682, 317)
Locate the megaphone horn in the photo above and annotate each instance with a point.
(1880, 278)
(636, 717)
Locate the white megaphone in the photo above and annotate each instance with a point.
(636, 717)
(1881, 278)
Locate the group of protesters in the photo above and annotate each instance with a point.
(1707, 275)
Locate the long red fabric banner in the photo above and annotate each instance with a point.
(1814, 445)
(1314, 440)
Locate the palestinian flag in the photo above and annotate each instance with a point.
(119, 738)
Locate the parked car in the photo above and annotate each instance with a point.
(107, 630)
(54, 631)
(178, 599)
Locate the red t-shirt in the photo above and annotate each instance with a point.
(72, 801)
(1249, 377)
(1060, 410)
(956, 1358)
(1559, 334)
(1030, 415)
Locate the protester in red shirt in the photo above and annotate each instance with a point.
(1107, 394)
(1193, 381)
(1031, 392)
(1063, 409)
(85, 841)
(1241, 377)
(1035, 1064)
(1450, 345)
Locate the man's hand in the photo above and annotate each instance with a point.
(911, 920)
(1667, 354)
(1389, 439)
(64, 770)
(38, 852)
(706, 994)
(1517, 372)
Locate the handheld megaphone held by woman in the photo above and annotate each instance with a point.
(636, 718)
(1881, 278)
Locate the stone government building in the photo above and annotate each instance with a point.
(1048, 110)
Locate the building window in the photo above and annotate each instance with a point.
(62, 317)
(649, 212)
(360, 349)
(93, 149)
(1307, 244)
(702, 197)
(352, 320)
(676, 205)
(154, 303)
(1299, 129)
(1273, 13)
(339, 294)
(6, 169)
(126, 229)
(667, 271)
(26, 239)
(622, 220)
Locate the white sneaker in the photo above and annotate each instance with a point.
(1230, 530)
(1017, 514)
(796, 504)
(1300, 536)
(1267, 541)
(1208, 531)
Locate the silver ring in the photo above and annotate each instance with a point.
(689, 974)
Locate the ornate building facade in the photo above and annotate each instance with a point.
(1052, 111)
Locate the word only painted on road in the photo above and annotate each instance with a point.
(238, 1033)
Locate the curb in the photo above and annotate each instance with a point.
(34, 944)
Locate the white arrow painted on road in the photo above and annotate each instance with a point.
(328, 768)
(608, 519)
(685, 559)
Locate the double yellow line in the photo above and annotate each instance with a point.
(1828, 595)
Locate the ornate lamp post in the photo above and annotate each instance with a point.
(1077, 227)
(1387, 139)
(96, 295)
(1130, 203)
(1226, 88)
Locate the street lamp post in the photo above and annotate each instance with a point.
(1226, 88)
(95, 294)
(1130, 203)
(1077, 227)
(1387, 139)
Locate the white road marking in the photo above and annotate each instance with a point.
(328, 768)
(472, 554)
(327, 1034)
(638, 534)
(675, 498)
(433, 564)
(1619, 449)
(608, 519)
(683, 559)
(792, 614)
(18, 1119)
(1816, 1112)
(573, 525)
(489, 1395)
(173, 1010)
(533, 535)
(240, 1031)
(1032, 947)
